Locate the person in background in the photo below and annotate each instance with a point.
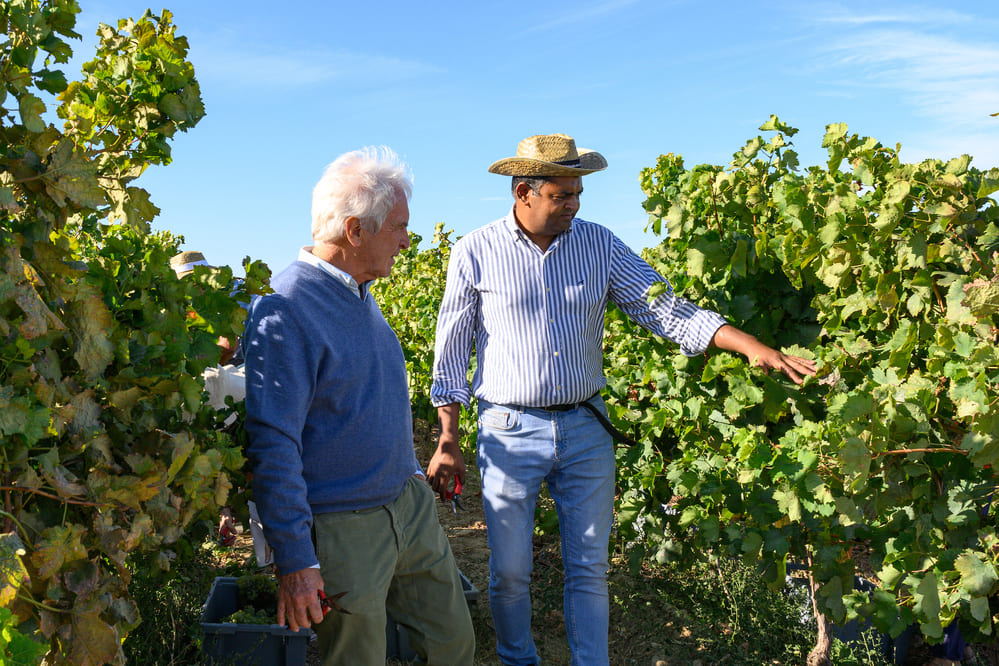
(529, 292)
(224, 380)
(344, 503)
(183, 265)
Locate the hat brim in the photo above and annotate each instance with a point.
(589, 162)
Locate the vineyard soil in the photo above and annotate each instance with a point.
(643, 630)
(653, 621)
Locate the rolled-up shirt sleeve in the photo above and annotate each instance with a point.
(456, 324)
(668, 316)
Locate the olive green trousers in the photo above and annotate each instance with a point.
(392, 559)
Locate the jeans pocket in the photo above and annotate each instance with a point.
(498, 418)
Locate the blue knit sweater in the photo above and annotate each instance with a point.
(327, 408)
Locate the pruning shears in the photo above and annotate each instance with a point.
(454, 496)
(330, 603)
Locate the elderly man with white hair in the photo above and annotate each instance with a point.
(343, 500)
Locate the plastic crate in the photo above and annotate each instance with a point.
(246, 644)
(273, 645)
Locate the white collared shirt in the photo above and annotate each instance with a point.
(536, 318)
(360, 290)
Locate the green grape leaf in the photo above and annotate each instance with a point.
(978, 576)
(31, 108)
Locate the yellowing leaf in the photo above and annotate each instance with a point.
(12, 570)
(94, 642)
(183, 445)
(142, 528)
(86, 414)
(72, 177)
(38, 318)
(57, 547)
(982, 297)
(131, 490)
(92, 324)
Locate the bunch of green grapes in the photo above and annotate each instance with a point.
(252, 616)
(258, 591)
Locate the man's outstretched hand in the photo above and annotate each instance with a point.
(794, 367)
(730, 338)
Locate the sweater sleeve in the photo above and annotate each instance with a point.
(280, 384)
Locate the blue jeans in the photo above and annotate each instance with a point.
(519, 448)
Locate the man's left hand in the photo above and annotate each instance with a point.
(730, 338)
(794, 367)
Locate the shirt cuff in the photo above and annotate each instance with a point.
(703, 325)
(443, 397)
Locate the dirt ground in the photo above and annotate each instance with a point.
(635, 638)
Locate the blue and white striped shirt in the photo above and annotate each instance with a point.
(537, 318)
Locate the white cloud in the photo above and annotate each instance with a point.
(943, 65)
(909, 15)
(228, 56)
(292, 69)
(582, 14)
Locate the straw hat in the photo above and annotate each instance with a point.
(184, 263)
(549, 155)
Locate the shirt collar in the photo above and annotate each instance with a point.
(359, 290)
(510, 224)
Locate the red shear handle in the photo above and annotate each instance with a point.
(447, 494)
(324, 602)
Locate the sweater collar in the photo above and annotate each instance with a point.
(359, 290)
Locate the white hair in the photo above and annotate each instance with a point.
(366, 184)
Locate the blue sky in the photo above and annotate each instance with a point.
(454, 86)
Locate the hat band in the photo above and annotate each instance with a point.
(190, 266)
(570, 163)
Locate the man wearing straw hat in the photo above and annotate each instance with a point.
(529, 292)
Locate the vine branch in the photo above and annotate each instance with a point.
(899, 452)
(34, 491)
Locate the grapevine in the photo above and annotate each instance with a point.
(883, 271)
(109, 449)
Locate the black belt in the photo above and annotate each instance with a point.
(616, 434)
(567, 407)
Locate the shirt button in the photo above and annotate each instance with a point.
(556, 353)
(551, 321)
(558, 388)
